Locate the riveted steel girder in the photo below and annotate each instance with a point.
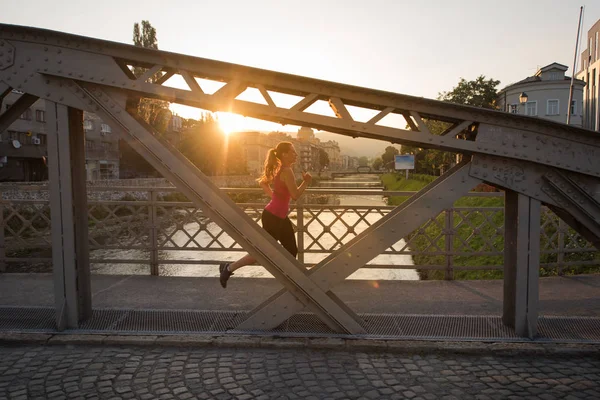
(194, 184)
(106, 63)
(403, 220)
(553, 163)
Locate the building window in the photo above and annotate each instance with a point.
(87, 125)
(40, 115)
(105, 128)
(531, 108)
(554, 76)
(573, 107)
(26, 115)
(552, 107)
(514, 108)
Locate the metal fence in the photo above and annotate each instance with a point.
(157, 226)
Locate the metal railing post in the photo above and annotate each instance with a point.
(2, 245)
(449, 236)
(300, 228)
(560, 257)
(153, 234)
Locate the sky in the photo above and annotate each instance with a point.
(419, 48)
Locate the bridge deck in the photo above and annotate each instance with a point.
(409, 309)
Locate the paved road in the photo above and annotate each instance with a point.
(127, 372)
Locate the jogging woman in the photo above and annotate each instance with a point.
(278, 173)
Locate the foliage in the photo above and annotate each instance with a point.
(323, 159)
(478, 93)
(377, 164)
(209, 149)
(363, 161)
(465, 226)
(154, 111)
(388, 157)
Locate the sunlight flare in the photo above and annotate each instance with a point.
(231, 123)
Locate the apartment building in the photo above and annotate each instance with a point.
(23, 146)
(590, 74)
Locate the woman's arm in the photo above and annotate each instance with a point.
(266, 188)
(287, 175)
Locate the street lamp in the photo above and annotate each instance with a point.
(523, 98)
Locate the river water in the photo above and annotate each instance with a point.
(208, 270)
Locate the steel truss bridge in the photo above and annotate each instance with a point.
(533, 160)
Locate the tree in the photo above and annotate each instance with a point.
(363, 161)
(478, 93)
(323, 160)
(389, 156)
(153, 111)
(377, 164)
(147, 37)
(207, 147)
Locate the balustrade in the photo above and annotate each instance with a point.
(158, 222)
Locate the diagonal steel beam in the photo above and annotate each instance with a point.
(4, 91)
(403, 220)
(198, 188)
(9, 116)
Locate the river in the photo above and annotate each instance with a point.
(205, 270)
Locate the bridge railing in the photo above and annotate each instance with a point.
(158, 227)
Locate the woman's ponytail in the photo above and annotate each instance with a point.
(271, 167)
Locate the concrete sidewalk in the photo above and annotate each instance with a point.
(559, 296)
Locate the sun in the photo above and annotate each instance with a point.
(231, 123)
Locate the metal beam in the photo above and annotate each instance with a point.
(400, 222)
(64, 257)
(521, 263)
(19, 107)
(222, 210)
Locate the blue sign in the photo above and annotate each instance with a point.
(404, 161)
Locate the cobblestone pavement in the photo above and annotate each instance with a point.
(127, 372)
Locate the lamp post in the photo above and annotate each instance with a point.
(523, 100)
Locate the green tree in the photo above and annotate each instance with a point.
(478, 93)
(145, 38)
(209, 149)
(155, 112)
(377, 164)
(388, 157)
(323, 160)
(363, 161)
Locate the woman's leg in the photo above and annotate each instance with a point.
(287, 237)
(226, 269)
(242, 262)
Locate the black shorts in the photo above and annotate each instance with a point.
(281, 229)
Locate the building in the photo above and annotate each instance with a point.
(590, 74)
(545, 95)
(332, 148)
(24, 145)
(101, 149)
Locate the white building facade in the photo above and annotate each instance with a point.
(545, 95)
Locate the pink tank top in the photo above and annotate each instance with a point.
(280, 202)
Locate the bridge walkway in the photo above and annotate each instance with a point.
(457, 310)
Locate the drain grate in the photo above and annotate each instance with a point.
(388, 326)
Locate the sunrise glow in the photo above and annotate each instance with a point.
(231, 123)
